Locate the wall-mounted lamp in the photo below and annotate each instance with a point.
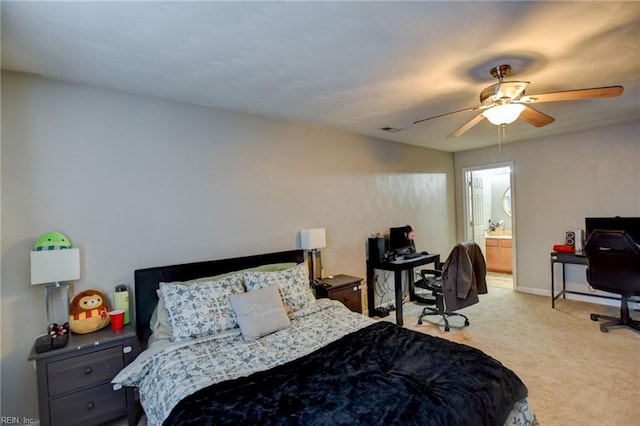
(312, 240)
(55, 267)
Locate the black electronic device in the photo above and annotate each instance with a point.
(412, 255)
(43, 344)
(46, 343)
(56, 337)
(376, 250)
(399, 241)
(380, 312)
(631, 225)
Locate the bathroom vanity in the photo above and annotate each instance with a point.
(498, 253)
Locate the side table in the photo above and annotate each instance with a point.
(343, 288)
(74, 382)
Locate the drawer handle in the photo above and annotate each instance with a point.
(91, 405)
(88, 370)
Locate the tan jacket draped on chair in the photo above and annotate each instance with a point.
(464, 276)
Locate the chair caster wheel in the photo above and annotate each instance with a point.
(466, 323)
(419, 322)
(446, 328)
(604, 330)
(594, 317)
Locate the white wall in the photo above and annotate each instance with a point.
(499, 184)
(558, 182)
(137, 182)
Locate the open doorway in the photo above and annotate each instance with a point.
(490, 219)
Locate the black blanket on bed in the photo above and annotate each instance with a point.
(383, 374)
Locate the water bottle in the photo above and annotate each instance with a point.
(121, 300)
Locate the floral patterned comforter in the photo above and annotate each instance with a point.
(168, 372)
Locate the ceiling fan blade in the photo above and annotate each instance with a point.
(449, 113)
(466, 126)
(571, 95)
(535, 117)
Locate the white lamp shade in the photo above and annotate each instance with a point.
(503, 114)
(313, 238)
(50, 266)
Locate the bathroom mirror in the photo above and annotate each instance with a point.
(506, 201)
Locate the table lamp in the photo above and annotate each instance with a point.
(56, 268)
(312, 240)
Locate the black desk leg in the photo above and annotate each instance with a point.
(553, 281)
(562, 292)
(398, 286)
(412, 278)
(371, 303)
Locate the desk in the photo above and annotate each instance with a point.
(578, 258)
(397, 267)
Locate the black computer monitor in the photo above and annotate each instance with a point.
(399, 241)
(629, 224)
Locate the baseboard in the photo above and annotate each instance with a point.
(533, 290)
(571, 296)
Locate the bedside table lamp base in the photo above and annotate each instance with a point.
(316, 271)
(312, 240)
(56, 299)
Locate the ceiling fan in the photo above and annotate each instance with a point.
(505, 101)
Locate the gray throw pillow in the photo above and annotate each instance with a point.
(259, 312)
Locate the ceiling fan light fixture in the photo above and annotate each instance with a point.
(503, 114)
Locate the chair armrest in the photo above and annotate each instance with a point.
(433, 285)
(431, 280)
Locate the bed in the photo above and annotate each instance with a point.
(243, 341)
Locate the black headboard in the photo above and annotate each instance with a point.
(148, 280)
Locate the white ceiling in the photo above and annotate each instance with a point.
(355, 66)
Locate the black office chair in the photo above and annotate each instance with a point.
(614, 266)
(456, 285)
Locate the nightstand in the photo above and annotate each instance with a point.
(343, 288)
(74, 382)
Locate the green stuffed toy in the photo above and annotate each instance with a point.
(52, 241)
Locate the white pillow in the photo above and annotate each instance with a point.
(159, 323)
(293, 283)
(200, 308)
(259, 312)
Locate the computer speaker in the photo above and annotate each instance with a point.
(570, 238)
(376, 249)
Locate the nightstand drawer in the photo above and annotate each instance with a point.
(350, 296)
(343, 288)
(82, 407)
(84, 370)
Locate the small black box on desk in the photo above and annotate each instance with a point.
(376, 249)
